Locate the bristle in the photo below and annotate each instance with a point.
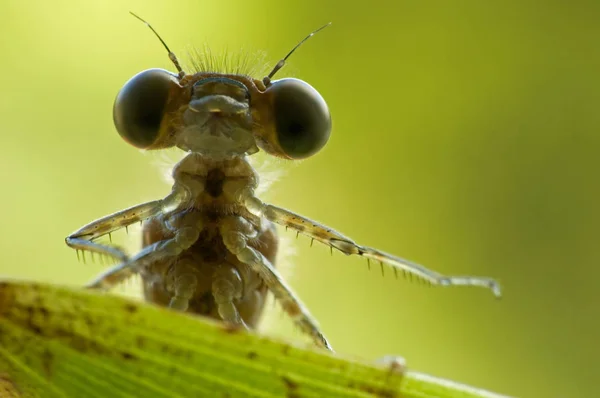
(284, 263)
(269, 170)
(285, 256)
(241, 62)
(164, 160)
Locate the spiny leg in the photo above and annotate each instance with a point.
(347, 246)
(93, 247)
(83, 238)
(235, 232)
(112, 277)
(184, 237)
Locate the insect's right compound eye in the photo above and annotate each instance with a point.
(140, 106)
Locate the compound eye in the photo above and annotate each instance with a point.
(140, 106)
(302, 119)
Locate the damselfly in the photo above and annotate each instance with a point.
(209, 247)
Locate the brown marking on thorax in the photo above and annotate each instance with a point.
(214, 182)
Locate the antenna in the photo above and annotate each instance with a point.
(172, 56)
(281, 63)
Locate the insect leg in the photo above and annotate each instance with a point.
(184, 287)
(347, 246)
(184, 237)
(235, 232)
(226, 287)
(88, 245)
(83, 238)
(111, 277)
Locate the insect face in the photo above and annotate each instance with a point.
(221, 115)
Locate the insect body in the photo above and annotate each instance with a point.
(209, 247)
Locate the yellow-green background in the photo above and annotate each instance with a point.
(465, 137)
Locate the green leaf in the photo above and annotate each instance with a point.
(62, 342)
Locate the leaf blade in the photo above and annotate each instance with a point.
(62, 342)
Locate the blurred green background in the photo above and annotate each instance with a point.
(465, 138)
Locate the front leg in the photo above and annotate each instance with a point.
(236, 232)
(347, 246)
(83, 238)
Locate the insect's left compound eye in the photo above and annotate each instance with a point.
(140, 106)
(302, 119)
